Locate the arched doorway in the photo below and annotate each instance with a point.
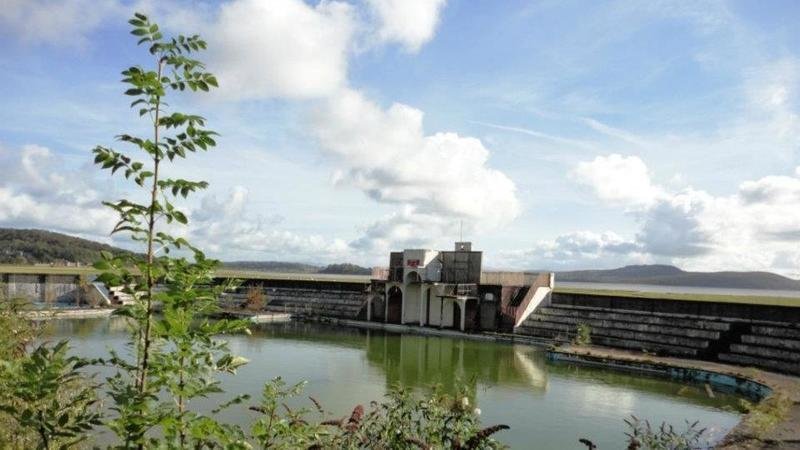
(395, 305)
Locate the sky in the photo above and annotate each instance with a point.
(551, 134)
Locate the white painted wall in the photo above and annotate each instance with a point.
(411, 300)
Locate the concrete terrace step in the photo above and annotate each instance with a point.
(746, 360)
(790, 332)
(784, 344)
(652, 347)
(595, 322)
(620, 333)
(678, 320)
(765, 352)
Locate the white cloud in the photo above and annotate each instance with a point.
(405, 228)
(281, 48)
(411, 23)
(578, 250)
(673, 226)
(37, 191)
(227, 228)
(622, 180)
(387, 155)
(56, 22)
(755, 228)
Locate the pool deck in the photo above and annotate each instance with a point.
(69, 313)
(267, 317)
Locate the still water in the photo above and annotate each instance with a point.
(548, 405)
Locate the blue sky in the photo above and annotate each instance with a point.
(561, 134)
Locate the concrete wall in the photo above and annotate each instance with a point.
(441, 314)
(40, 288)
(411, 304)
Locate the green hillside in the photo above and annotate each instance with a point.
(19, 246)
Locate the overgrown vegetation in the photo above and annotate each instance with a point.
(583, 334)
(255, 299)
(45, 401)
(643, 436)
(764, 416)
(402, 421)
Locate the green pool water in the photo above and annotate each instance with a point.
(548, 405)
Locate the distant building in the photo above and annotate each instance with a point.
(448, 289)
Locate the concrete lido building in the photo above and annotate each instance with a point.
(448, 289)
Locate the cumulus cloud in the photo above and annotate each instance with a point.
(412, 23)
(406, 228)
(387, 155)
(61, 23)
(618, 179)
(577, 250)
(37, 191)
(673, 226)
(281, 48)
(755, 228)
(225, 226)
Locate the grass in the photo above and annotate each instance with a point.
(692, 297)
(46, 270)
(257, 275)
(224, 273)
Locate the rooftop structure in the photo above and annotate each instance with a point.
(448, 289)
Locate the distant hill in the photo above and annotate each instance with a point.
(672, 276)
(346, 269)
(289, 267)
(20, 246)
(45, 247)
(271, 266)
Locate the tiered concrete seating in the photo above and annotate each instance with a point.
(315, 302)
(772, 346)
(660, 333)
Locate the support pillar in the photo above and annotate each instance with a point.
(463, 317)
(422, 306)
(386, 305)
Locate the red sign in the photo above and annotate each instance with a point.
(412, 263)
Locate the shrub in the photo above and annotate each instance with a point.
(401, 421)
(764, 416)
(255, 300)
(45, 402)
(583, 334)
(642, 436)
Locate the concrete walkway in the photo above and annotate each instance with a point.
(68, 313)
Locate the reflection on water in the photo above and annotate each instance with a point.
(547, 405)
(415, 360)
